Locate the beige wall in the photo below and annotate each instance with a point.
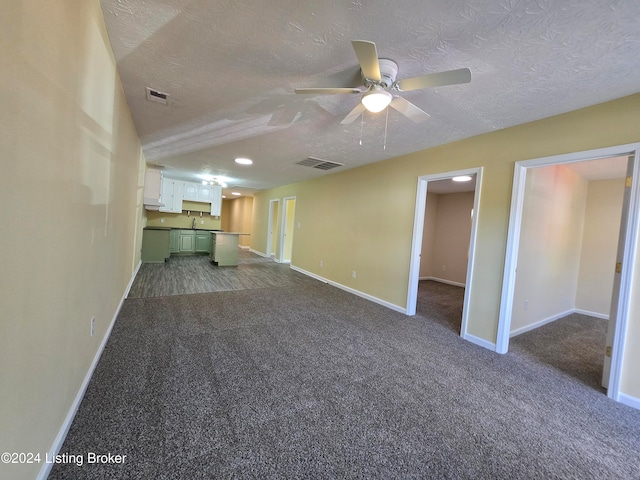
(568, 246)
(445, 237)
(71, 195)
(599, 245)
(428, 235)
(240, 215)
(550, 244)
(362, 219)
(225, 215)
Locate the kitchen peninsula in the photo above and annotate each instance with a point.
(160, 243)
(224, 248)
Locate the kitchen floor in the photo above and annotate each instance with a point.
(197, 274)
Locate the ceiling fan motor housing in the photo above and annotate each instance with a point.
(388, 73)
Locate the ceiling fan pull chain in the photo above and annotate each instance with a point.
(386, 122)
(361, 126)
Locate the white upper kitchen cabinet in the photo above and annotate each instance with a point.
(205, 193)
(172, 195)
(152, 189)
(197, 192)
(175, 191)
(191, 191)
(216, 200)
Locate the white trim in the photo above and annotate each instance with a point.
(513, 240)
(45, 470)
(270, 225)
(258, 253)
(309, 274)
(283, 227)
(553, 318)
(589, 313)
(539, 323)
(416, 241)
(511, 259)
(366, 296)
(443, 280)
(626, 278)
(479, 341)
(629, 401)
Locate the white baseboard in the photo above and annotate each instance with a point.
(442, 280)
(553, 318)
(258, 253)
(480, 341)
(591, 314)
(628, 400)
(66, 425)
(539, 323)
(366, 296)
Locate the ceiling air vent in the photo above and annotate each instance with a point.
(319, 164)
(156, 96)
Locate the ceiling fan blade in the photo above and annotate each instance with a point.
(409, 110)
(452, 77)
(353, 114)
(327, 91)
(368, 59)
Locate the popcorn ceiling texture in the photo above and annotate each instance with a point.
(231, 67)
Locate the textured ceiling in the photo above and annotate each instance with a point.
(230, 68)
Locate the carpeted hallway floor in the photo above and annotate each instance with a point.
(309, 381)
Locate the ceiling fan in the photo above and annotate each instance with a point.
(380, 84)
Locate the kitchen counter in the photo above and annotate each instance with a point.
(224, 248)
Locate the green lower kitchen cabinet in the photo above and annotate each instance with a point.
(155, 245)
(203, 241)
(174, 240)
(187, 241)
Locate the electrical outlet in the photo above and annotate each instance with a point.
(353, 274)
(321, 263)
(444, 268)
(93, 325)
(201, 222)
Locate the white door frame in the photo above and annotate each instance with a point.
(416, 242)
(270, 225)
(513, 241)
(283, 229)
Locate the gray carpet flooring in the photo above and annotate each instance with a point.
(308, 381)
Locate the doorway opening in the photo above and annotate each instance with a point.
(288, 219)
(545, 242)
(444, 237)
(272, 235)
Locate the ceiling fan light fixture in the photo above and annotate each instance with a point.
(376, 99)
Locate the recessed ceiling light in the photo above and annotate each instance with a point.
(244, 161)
(462, 178)
(236, 193)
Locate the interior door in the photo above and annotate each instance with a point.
(272, 238)
(615, 297)
(287, 230)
